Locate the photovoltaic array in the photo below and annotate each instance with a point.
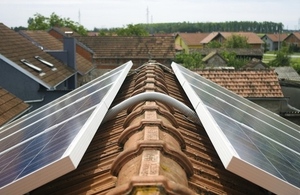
(50, 141)
(251, 141)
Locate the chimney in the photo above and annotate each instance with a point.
(70, 48)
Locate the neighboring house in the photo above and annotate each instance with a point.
(260, 86)
(110, 51)
(29, 73)
(255, 64)
(155, 138)
(240, 52)
(11, 107)
(289, 81)
(187, 41)
(49, 44)
(60, 33)
(293, 39)
(273, 41)
(93, 33)
(253, 39)
(214, 59)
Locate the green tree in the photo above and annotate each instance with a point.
(191, 61)
(282, 56)
(214, 44)
(236, 41)
(132, 30)
(233, 60)
(282, 59)
(40, 22)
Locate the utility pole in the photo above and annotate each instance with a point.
(147, 13)
(79, 19)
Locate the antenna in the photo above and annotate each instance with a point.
(79, 19)
(147, 13)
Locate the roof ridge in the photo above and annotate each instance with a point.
(151, 143)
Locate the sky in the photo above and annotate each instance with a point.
(119, 13)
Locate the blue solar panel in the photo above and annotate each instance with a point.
(50, 141)
(250, 140)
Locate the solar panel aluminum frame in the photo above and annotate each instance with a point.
(225, 150)
(74, 153)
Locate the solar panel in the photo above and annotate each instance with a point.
(250, 140)
(50, 141)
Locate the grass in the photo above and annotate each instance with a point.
(266, 58)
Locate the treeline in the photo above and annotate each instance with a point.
(257, 27)
(234, 26)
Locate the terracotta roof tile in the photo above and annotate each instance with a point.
(150, 146)
(252, 38)
(276, 37)
(47, 42)
(130, 47)
(10, 106)
(192, 38)
(15, 47)
(247, 83)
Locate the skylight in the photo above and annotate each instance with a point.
(45, 62)
(27, 63)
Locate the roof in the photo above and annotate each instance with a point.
(192, 38)
(296, 34)
(252, 38)
(246, 83)
(14, 48)
(150, 147)
(62, 30)
(10, 106)
(44, 40)
(238, 51)
(155, 47)
(255, 64)
(276, 37)
(210, 55)
(287, 73)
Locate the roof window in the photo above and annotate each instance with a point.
(33, 67)
(45, 62)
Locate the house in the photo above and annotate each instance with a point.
(255, 64)
(214, 59)
(110, 51)
(29, 73)
(248, 53)
(49, 44)
(293, 39)
(260, 86)
(61, 32)
(11, 107)
(273, 41)
(187, 41)
(151, 140)
(289, 81)
(253, 39)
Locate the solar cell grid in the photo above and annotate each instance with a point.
(51, 140)
(245, 135)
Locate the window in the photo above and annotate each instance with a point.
(45, 62)
(27, 63)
